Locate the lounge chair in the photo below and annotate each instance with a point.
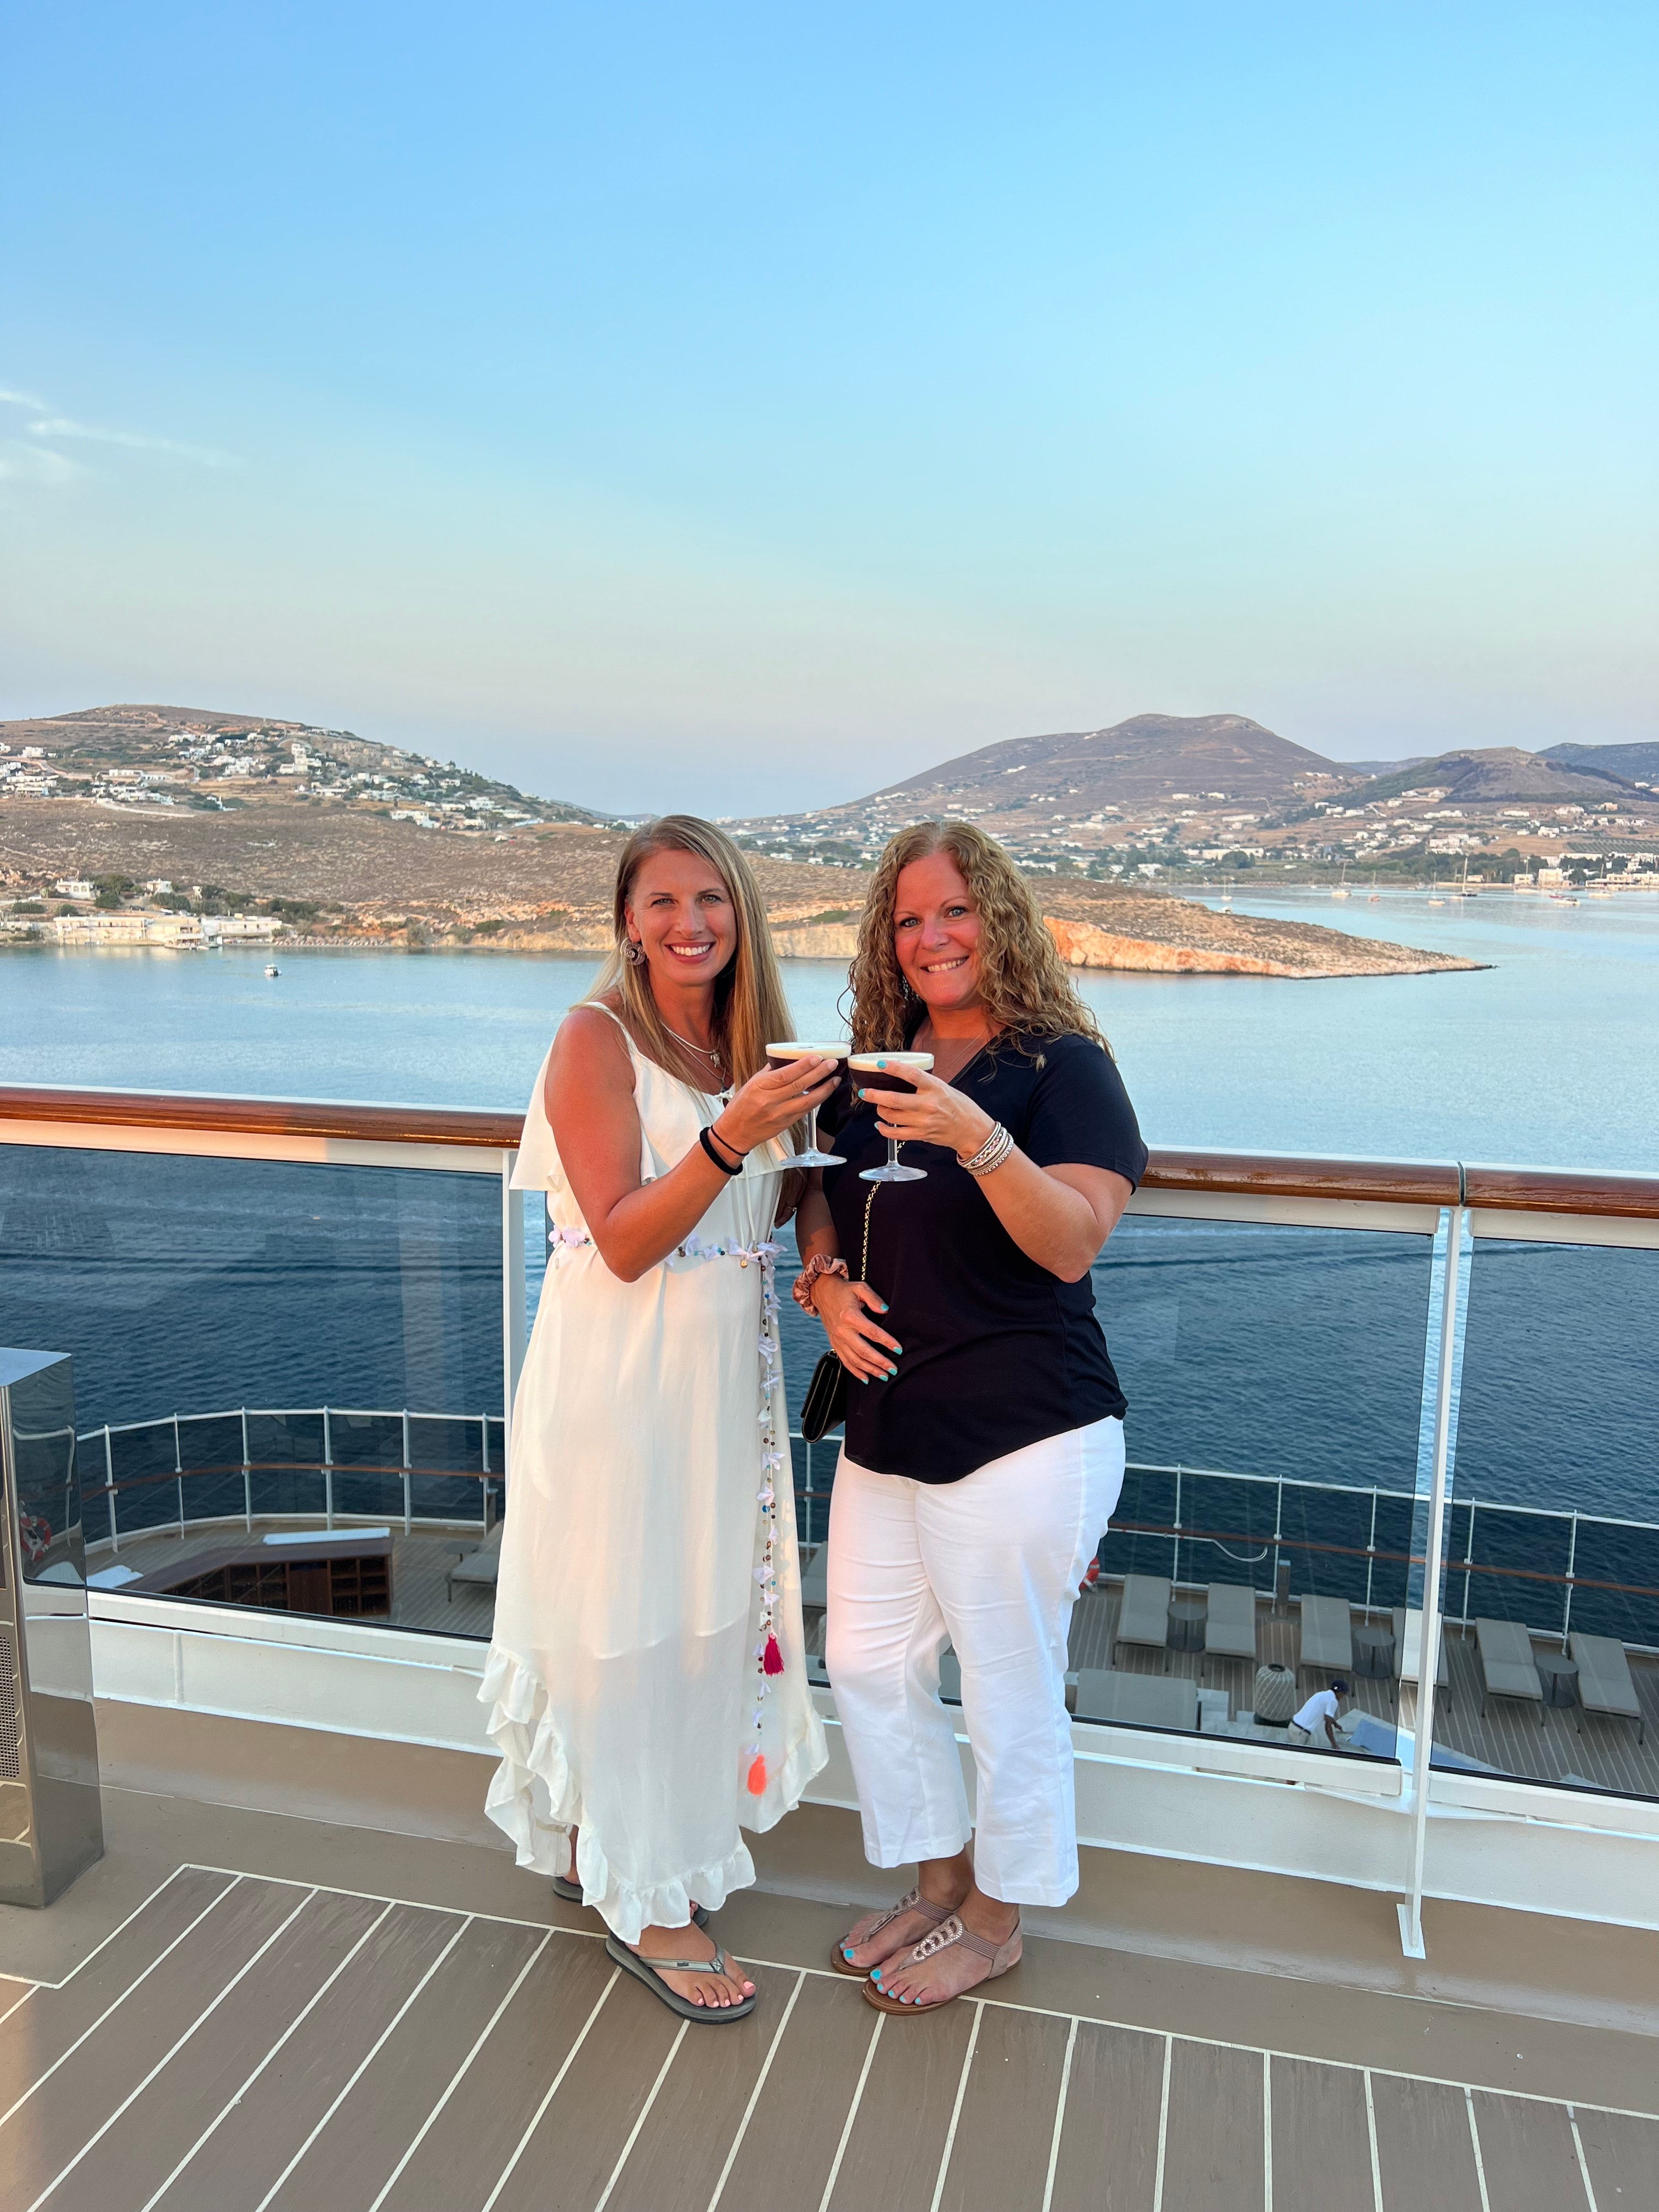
(1408, 1651)
(1326, 1635)
(1604, 1679)
(1507, 1669)
(1229, 1625)
(1144, 1616)
(1166, 1701)
(479, 1568)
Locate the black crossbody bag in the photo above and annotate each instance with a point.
(824, 1407)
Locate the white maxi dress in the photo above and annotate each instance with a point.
(649, 1556)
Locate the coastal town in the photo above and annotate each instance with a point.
(178, 829)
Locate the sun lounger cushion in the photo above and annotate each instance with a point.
(1408, 1648)
(1326, 1633)
(1230, 1627)
(1506, 1661)
(1167, 1701)
(482, 1566)
(1144, 1618)
(1604, 1677)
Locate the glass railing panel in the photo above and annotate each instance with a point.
(266, 1348)
(1553, 1538)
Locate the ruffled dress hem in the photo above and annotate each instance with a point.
(535, 1799)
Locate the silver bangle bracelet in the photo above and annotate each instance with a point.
(991, 1154)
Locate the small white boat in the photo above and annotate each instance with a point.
(272, 969)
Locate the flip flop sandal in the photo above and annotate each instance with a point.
(863, 1930)
(1002, 1956)
(645, 1970)
(571, 1892)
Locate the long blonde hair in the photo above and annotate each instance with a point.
(1022, 978)
(750, 1010)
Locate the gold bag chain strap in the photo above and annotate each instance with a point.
(863, 1261)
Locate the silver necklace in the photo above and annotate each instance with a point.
(704, 1052)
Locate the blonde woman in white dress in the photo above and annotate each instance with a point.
(647, 1681)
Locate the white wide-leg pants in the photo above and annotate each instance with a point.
(992, 1563)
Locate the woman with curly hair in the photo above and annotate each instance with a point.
(984, 1448)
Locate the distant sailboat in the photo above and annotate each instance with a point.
(1340, 888)
(1372, 895)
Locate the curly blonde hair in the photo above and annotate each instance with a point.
(1022, 978)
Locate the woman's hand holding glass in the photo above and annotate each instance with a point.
(772, 1102)
(930, 1112)
(858, 1340)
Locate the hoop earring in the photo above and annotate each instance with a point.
(634, 952)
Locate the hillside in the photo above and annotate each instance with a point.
(1498, 773)
(1636, 764)
(217, 762)
(1080, 781)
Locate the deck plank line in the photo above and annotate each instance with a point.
(640, 2117)
(142, 1907)
(540, 2112)
(1583, 2163)
(166, 2058)
(852, 2113)
(456, 2078)
(364, 2064)
(1005, 2004)
(214, 2125)
(1370, 2130)
(22, 1998)
(1060, 2119)
(64, 2056)
(1164, 2123)
(754, 2094)
(956, 2110)
(1475, 2141)
(1266, 2131)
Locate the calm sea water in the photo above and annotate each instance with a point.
(188, 1285)
(1550, 1055)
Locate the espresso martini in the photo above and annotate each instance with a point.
(885, 1071)
(783, 1056)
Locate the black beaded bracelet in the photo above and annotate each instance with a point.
(706, 1139)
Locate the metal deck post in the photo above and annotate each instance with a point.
(1450, 1241)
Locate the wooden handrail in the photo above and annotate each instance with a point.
(262, 1117)
(1261, 1175)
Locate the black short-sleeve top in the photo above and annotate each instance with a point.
(998, 1354)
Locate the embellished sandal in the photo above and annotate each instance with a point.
(950, 1931)
(645, 1970)
(861, 1931)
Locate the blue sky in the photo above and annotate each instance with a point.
(745, 407)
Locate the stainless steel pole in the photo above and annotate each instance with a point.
(1428, 1662)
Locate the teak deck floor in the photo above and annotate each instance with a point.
(242, 2043)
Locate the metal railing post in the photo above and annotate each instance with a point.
(109, 1490)
(247, 1478)
(407, 1479)
(178, 1470)
(1450, 1242)
(1572, 1565)
(1371, 1550)
(328, 1470)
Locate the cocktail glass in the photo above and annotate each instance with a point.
(781, 1056)
(882, 1071)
